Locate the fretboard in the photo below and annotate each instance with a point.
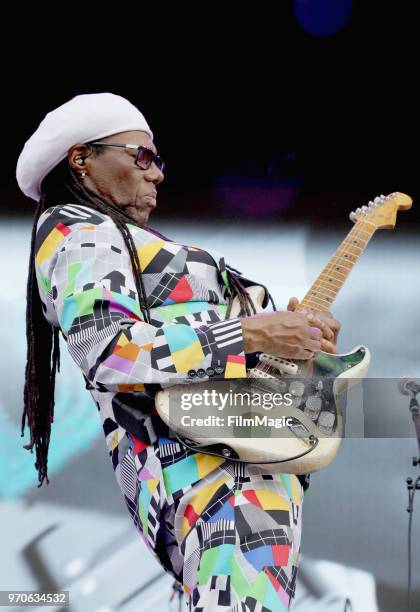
(324, 290)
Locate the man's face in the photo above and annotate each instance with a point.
(113, 174)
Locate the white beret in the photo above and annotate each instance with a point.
(84, 118)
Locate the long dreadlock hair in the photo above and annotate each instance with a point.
(43, 352)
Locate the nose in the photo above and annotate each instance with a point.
(153, 174)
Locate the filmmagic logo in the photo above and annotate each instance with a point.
(237, 420)
(219, 400)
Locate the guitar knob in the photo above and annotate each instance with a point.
(326, 422)
(313, 406)
(297, 388)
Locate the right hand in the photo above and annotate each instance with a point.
(284, 334)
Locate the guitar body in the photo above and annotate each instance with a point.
(316, 414)
(314, 430)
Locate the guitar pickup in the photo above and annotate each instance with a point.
(285, 366)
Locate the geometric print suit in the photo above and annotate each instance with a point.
(228, 532)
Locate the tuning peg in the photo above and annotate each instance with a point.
(352, 216)
(366, 208)
(377, 200)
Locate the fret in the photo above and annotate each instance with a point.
(347, 257)
(364, 222)
(329, 285)
(316, 301)
(341, 265)
(329, 300)
(351, 248)
(360, 231)
(324, 290)
(354, 243)
(333, 270)
(320, 291)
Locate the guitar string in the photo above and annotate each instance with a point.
(356, 232)
(341, 254)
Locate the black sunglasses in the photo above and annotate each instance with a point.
(144, 158)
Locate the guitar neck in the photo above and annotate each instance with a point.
(324, 290)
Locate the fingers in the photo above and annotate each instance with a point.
(293, 302)
(328, 347)
(335, 326)
(327, 332)
(329, 319)
(321, 337)
(317, 343)
(316, 333)
(325, 346)
(325, 321)
(332, 323)
(312, 345)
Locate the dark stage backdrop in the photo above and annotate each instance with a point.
(299, 113)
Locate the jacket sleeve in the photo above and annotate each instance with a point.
(87, 286)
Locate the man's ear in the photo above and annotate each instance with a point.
(77, 156)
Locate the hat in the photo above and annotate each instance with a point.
(82, 119)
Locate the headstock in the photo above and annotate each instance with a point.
(382, 212)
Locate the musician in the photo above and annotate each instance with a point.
(137, 312)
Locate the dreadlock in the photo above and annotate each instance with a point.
(238, 290)
(43, 351)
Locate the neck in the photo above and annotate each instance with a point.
(324, 290)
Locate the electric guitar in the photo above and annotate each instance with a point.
(315, 387)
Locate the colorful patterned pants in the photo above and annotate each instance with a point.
(229, 532)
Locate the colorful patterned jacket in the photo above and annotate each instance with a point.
(87, 288)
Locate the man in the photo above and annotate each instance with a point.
(139, 311)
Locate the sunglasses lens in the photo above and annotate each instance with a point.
(159, 163)
(145, 157)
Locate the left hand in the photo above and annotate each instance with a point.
(331, 329)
